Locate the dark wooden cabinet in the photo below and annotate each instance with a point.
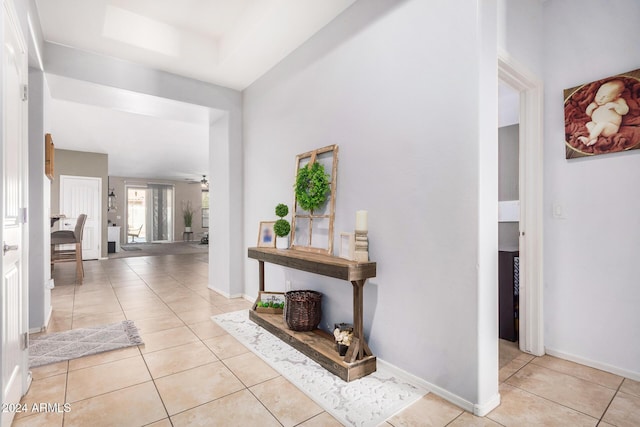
(508, 294)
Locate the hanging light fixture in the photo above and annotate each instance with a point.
(111, 200)
(204, 183)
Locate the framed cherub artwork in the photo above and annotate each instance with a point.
(603, 116)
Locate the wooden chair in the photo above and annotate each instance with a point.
(66, 237)
(133, 233)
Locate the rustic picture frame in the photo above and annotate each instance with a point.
(313, 230)
(266, 235)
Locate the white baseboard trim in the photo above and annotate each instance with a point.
(225, 294)
(43, 328)
(48, 319)
(476, 409)
(480, 410)
(594, 364)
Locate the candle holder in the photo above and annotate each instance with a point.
(361, 246)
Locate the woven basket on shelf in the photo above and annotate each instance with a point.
(302, 310)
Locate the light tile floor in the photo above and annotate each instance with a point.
(190, 372)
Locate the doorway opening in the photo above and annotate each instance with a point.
(150, 213)
(136, 215)
(508, 222)
(530, 172)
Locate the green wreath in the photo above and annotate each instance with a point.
(312, 186)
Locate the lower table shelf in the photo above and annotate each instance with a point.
(317, 345)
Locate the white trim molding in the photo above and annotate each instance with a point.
(531, 171)
(594, 364)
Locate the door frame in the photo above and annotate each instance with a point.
(530, 88)
(9, 16)
(97, 219)
(141, 187)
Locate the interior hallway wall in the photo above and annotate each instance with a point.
(592, 290)
(405, 115)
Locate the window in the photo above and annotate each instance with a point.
(205, 208)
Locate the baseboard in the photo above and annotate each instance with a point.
(225, 294)
(43, 328)
(479, 410)
(594, 364)
(48, 319)
(485, 408)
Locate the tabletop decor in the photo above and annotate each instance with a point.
(282, 227)
(312, 186)
(361, 252)
(315, 200)
(343, 333)
(266, 235)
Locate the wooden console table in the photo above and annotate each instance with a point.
(319, 345)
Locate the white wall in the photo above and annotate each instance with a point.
(404, 109)
(519, 32)
(39, 207)
(592, 291)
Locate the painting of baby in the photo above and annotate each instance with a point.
(603, 116)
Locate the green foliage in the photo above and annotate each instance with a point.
(312, 186)
(282, 210)
(281, 227)
(187, 214)
(270, 304)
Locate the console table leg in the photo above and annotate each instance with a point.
(362, 349)
(261, 274)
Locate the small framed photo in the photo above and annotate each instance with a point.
(347, 245)
(266, 236)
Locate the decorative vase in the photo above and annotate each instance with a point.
(342, 349)
(187, 229)
(339, 332)
(282, 242)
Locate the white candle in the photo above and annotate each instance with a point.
(361, 220)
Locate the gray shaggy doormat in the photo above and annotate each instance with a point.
(59, 346)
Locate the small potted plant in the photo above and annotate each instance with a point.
(282, 227)
(187, 215)
(343, 333)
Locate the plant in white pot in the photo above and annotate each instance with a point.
(187, 215)
(282, 227)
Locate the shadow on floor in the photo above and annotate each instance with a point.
(155, 249)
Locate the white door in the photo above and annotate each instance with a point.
(83, 195)
(14, 371)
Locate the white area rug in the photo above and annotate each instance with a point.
(59, 346)
(368, 401)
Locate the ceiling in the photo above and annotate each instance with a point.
(230, 43)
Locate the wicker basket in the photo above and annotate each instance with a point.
(302, 310)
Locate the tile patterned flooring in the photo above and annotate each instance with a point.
(190, 372)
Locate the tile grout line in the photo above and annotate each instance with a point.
(153, 380)
(610, 402)
(580, 378)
